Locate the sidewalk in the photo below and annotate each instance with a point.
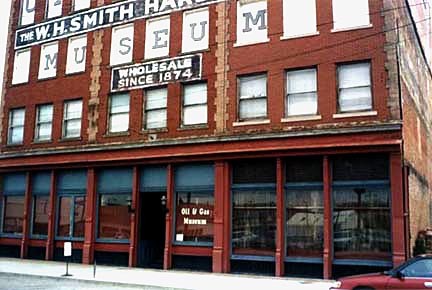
(171, 279)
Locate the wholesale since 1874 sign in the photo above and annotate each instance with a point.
(154, 73)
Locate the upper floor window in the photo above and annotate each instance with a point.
(155, 108)
(80, 4)
(21, 68)
(355, 92)
(72, 119)
(48, 60)
(157, 37)
(251, 22)
(195, 34)
(119, 113)
(27, 12)
(16, 126)
(76, 54)
(195, 104)
(350, 14)
(252, 96)
(44, 118)
(301, 92)
(122, 44)
(299, 18)
(54, 8)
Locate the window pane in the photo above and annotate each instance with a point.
(73, 109)
(299, 17)
(254, 171)
(63, 226)
(45, 113)
(301, 81)
(254, 222)
(253, 86)
(422, 268)
(304, 169)
(119, 123)
(156, 99)
(195, 115)
(156, 119)
(304, 224)
(73, 128)
(354, 75)
(119, 103)
(348, 14)
(194, 217)
(361, 221)
(114, 216)
(17, 117)
(16, 135)
(79, 218)
(13, 214)
(253, 108)
(355, 99)
(302, 104)
(360, 167)
(195, 94)
(44, 132)
(40, 215)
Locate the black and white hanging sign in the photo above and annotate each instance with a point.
(100, 17)
(178, 69)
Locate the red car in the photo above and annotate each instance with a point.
(414, 274)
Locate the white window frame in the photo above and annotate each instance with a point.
(195, 105)
(299, 92)
(38, 123)
(116, 36)
(295, 16)
(67, 119)
(80, 6)
(151, 24)
(155, 109)
(243, 100)
(12, 126)
(253, 36)
(188, 43)
(21, 61)
(57, 13)
(340, 67)
(348, 19)
(112, 114)
(51, 73)
(71, 66)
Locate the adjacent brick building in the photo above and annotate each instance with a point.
(290, 137)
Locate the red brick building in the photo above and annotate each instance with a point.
(231, 136)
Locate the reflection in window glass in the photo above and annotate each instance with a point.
(194, 217)
(13, 214)
(254, 222)
(40, 215)
(114, 216)
(422, 268)
(63, 227)
(304, 222)
(79, 218)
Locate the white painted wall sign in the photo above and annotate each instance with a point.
(195, 33)
(157, 37)
(117, 13)
(21, 67)
(67, 249)
(251, 22)
(155, 73)
(48, 60)
(122, 39)
(76, 54)
(27, 12)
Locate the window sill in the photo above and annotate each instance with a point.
(240, 44)
(193, 127)
(251, 123)
(120, 65)
(287, 37)
(70, 74)
(20, 84)
(42, 141)
(335, 30)
(154, 131)
(47, 78)
(301, 118)
(116, 134)
(355, 114)
(69, 139)
(185, 53)
(12, 145)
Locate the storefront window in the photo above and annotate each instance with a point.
(71, 217)
(304, 207)
(114, 216)
(361, 207)
(194, 217)
(13, 215)
(254, 208)
(40, 215)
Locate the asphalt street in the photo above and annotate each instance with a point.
(24, 282)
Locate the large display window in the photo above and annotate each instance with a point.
(253, 208)
(12, 193)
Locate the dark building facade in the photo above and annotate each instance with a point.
(283, 137)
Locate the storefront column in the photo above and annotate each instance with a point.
(328, 225)
(219, 221)
(168, 218)
(134, 219)
(226, 265)
(397, 211)
(280, 220)
(26, 217)
(49, 253)
(90, 206)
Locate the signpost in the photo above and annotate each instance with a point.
(67, 253)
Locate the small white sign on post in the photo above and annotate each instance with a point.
(67, 249)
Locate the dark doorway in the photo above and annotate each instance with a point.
(152, 230)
